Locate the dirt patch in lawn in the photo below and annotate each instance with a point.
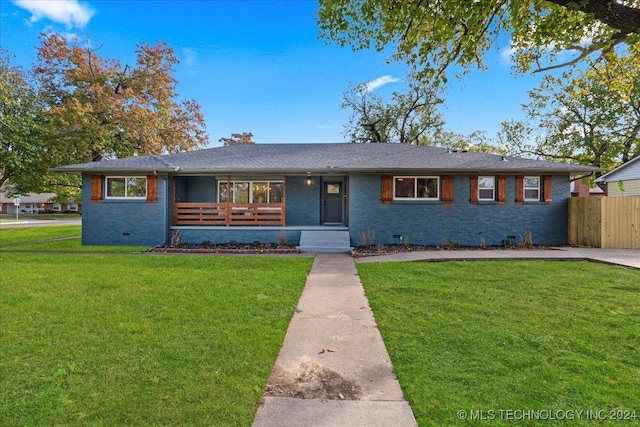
(311, 381)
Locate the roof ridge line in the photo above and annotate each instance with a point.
(157, 157)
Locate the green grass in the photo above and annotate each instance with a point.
(141, 340)
(64, 238)
(23, 216)
(491, 336)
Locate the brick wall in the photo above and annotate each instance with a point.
(303, 203)
(429, 223)
(124, 222)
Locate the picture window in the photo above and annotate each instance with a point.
(416, 188)
(126, 187)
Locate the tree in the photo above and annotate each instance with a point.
(435, 35)
(589, 117)
(238, 139)
(410, 117)
(98, 109)
(476, 141)
(23, 155)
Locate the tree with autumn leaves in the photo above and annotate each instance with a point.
(101, 109)
(94, 108)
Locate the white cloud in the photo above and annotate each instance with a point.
(506, 54)
(72, 13)
(190, 56)
(379, 82)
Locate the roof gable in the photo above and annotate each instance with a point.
(626, 171)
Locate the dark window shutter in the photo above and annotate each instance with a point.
(387, 189)
(473, 189)
(520, 189)
(152, 189)
(96, 188)
(548, 189)
(447, 189)
(502, 189)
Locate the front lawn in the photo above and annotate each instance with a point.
(141, 340)
(480, 339)
(62, 238)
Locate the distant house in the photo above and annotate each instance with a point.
(624, 180)
(266, 192)
(578, 189)
(36, 203)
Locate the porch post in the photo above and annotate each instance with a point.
(175, 195)
(283, 222)
(227, 216)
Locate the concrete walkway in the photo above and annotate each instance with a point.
(333, 336)
(624, 257)
(9, 223)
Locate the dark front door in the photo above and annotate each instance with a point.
(333, 199)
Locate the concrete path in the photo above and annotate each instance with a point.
(8, 223)
(333, 368)
(624, 257)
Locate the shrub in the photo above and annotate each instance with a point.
(367, 237)
(175, 238)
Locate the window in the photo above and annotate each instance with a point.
(126, 187)
(486, 188)
(531, 188)
(416, 187)
(250, 192)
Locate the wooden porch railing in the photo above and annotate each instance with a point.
(228, 214)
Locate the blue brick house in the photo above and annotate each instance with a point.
(268, 192)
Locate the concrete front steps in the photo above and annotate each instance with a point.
(331, 241)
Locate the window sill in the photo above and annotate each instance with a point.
(416, 201)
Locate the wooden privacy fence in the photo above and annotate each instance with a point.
(605, 222)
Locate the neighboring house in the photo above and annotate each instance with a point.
(399, 192)
(36, 203)
(624, 180)
(578, 189)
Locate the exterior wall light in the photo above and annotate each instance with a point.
(308, 182)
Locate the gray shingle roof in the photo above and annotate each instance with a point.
(322, 158)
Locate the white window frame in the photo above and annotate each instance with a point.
(492, 188)
(415, 187)
(250, 183)
(537, 189)
(126, 188)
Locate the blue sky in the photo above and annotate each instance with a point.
(256, 66)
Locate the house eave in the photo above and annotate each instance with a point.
(132, 171)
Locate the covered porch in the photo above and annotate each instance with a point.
(259, 201)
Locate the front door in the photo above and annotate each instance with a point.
(333, 202)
